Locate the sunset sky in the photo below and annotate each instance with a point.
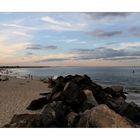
(70, 39)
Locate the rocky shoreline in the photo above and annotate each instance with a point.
(77, 102)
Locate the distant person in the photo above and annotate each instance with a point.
(133, 71)
(29, 76)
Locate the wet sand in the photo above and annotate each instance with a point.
(16, 95)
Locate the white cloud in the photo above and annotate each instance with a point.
(122, 45)
(60, 25)
(18, 26)
(68, 40)
(77, 41)
(21, 34)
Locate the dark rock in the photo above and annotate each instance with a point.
(37, 104)
(56, 96)
(67, 78)
(45, 94)
(100, 96)
(25, 121)
(72, 95)
(103, 117)
(82, 80)
(57, 88)
(53, 114)
(130, 110)
(117, 89)
(110, 91)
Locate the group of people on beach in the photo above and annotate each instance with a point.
(30, 77)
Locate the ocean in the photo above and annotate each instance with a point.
(105, 76)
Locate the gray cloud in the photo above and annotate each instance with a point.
(40, 47)
(107, 15)
(104, 33)
(52, 60)
(134, 31)
(29, 53)
(103, 53)
(123, 58)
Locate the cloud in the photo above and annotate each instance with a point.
(21, 34)
(123, 45)
(52, 60)
(41, 47)
(134, 31)
(29, 53)
(73, 41)
(103, 53)
(69, 40)
(104, 33)
(107, 15)
(60, 25)
(18, 26)
(123, 58)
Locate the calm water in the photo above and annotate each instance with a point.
(105, 76)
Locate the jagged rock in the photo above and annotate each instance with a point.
(72, 95)
(80, 80)
(110, 91)
(56, 96)
(90, 100)
(103, 117)
(37, 104)
(53, 114)
(71, 119)
(67, 78)
(58, 87)
(117, 89)
(130, 110)
(25, 121)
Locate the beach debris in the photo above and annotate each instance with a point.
(76, 101)
(4, 78)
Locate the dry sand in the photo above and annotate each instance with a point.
(16, 95)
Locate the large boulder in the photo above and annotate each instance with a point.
(103, 117)
(37, 103)
(25, 121)
(73, 95)
(131, 111)
(53, 114)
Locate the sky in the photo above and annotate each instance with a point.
(70, 39)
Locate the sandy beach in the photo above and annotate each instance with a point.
(16, 95)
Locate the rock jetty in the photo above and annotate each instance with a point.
(77, 102)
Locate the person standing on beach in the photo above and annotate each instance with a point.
(133, 71)
(29, 76)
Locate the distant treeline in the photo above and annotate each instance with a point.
(12, 67)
